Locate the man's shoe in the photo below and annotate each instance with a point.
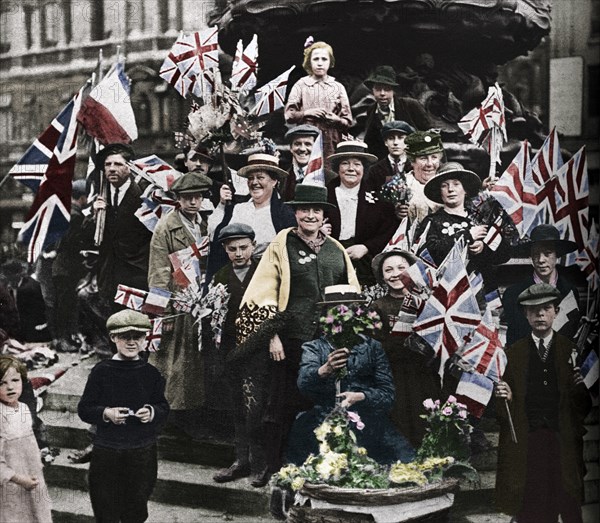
(236, 471)
(261, 478)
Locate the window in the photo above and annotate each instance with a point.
(97, 20)
(170, 15)
(6, 118)
(51, 22)
(5, 32)
(593, 86)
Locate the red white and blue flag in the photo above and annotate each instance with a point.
(130, 297)
(451, 313)
(156, 301)
(493, 237)
(154, 336)
(400, 238)
(271, 96)
(106, 114)
(157, 171)
(245, 66)
(315, 171)
(475, 391)
(587, 258)
(589, 369)
(47, 168)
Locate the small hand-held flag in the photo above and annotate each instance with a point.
(245, 65)
(315, 172)
(271, 96)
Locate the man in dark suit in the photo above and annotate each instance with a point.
(389, 106)
(301, 139)
(125, 245)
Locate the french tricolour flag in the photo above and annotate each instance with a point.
(106, 113)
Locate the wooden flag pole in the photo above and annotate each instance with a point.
(513, 434)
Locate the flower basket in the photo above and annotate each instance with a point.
(328, 504)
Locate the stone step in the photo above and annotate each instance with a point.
(188, 485)
(73, 506)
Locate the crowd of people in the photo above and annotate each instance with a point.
(284, 253)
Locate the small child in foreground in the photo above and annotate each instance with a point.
(124, 397)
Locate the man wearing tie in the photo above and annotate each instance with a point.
(124, 248)
(301, 139)
(393, 133)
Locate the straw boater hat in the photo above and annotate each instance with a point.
(538, 294)
(452, 171)
(423, 143)
(378, 260)
(308, 195)
(343, 293)
(545, 234)
(128, 320)
(125, 150)
(352, 149)
(262, 162)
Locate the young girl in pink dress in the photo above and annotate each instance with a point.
(23, 492)
(318, 99)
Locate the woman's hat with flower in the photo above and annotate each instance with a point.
(378, 260)
(351, 149)
(342, 293)
(262, 162)
(452, 171)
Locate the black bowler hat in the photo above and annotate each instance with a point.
(236, 230)
(310, 195)
(125, 150)
(548, 234)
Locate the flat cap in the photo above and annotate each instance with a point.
(423, 143)
(192, 182)
(236, 230)
(396, 126)
(302, 130)
(128, 320)
(538, 294)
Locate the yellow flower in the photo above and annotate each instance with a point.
(361, 451)
(406, 473)
(332, 464)
(322, 430)
(297, 483)
(324, 448)
(434, 462)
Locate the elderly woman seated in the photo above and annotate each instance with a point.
(366, 388)
(361, 221)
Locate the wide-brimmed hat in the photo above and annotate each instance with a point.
(192, 182)
(301, 130)
(125, 150)
(309, 195)
(548, 234)
(128, 320)
(378, 260)
(452, 171)
(423, 143)
(396, 126)
(538, 294)
(342, 293)
(262, 162)
(236, 230)
(382, 74)
(351, 149)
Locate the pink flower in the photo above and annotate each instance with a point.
(372, 315)
(329, 319)
(343, 309)
(429, 404)
(355, 418)
(359, 311)
(336, 329)
(451, 399)
(461, 405)
(447, 411)
(437, 403)
(462, 414)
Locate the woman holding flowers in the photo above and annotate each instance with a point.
(414, 381)
(346, 365)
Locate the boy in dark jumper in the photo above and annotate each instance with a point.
(124, 397)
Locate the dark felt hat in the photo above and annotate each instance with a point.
(125, 150)
(539, 294)
(378, 260)
(351, 149)
(192, 182)
(308, 195)
(342, 293)
(302, 130)
(545, 233)
(128, 320)
(423, 143)
(203, 152)
(262, 162)
(452, 171)
(396, 126)
(382, 74)
(236, 230)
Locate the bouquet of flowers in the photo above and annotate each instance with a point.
(448, 433)
(396, 191)
(343, 324)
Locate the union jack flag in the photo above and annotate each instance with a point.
(418, 276)
(271, 96)
(155, 204)
(245, 65)
(130, 297)
(400, 239)
(451, 313)
(570, 205)
(154, 336)
(481, 124)
(47, 168)
(186, 262)
(156, 171)
(484, 352)
(315, 173)
(515, 192)
(493, 238)
(587, 258)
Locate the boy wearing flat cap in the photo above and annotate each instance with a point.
(124, 398)
(540, 476)
(179, 358)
